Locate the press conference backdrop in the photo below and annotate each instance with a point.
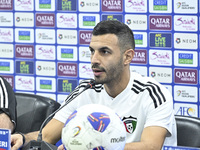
(44, 44)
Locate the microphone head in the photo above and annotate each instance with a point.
(92, 83)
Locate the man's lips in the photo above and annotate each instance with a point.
(97, 72)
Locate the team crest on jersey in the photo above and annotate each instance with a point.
(130, 124)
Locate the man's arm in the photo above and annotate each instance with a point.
(152, 139)
(51, 133)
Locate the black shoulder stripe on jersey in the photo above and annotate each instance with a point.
(158, 88)
(4, 94)
(151, 88)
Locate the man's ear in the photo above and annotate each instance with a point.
(128, 56)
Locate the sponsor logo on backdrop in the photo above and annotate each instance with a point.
(67, 37)
(6, 19)
(45, 52)
(67, 53)
(139, 69)
(6, 66)
(66, 20)
(67, 5)
(185, 76)
(185, 23)
(185, 93)
(112, 17)
(163, 75)
(160, 22)
(85, 70)
(112, 5)
(10, 79)
(160, 57)
(45, 20)
(182, 6)
(161, 40)
(45, 68)
(185, 41)
(89, 6)
(6, 35)
(136, 22)
(140, 57)
(186, 109)
(185, 58)
(6, 51)
(160, 5)
(140, 39)
(6, 4)
(84, 54)
(44, 4)
(25, 67)
(24, 35)
(66, 86)
(24, 51)
(88, 20)
(139, 6)
(45, 36)
(85, 37)
(67, 69)
(26, 83)
(22, 20)
(24, 5)
(45, 84)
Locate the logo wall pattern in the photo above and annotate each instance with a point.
(44, 44)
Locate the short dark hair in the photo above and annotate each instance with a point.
(121, 30)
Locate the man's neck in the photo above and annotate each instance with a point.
(115, 88)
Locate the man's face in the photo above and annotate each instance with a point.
(106, 58)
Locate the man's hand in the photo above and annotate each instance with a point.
(16, 141)
(61, 147)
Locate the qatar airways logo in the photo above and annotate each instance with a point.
(185, 76)
(6, 4)
(140, 57)
(160, 22)
(24, 51)
(111, 5)
(67, 69)
(85, 37)
(47, 20)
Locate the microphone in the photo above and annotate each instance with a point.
(42, 145)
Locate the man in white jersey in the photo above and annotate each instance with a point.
(8, 114)
(145, 106)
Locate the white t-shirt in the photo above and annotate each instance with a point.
(143, 103)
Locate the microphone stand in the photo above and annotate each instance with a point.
(42, 145)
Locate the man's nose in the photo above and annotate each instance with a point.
(95, 58)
